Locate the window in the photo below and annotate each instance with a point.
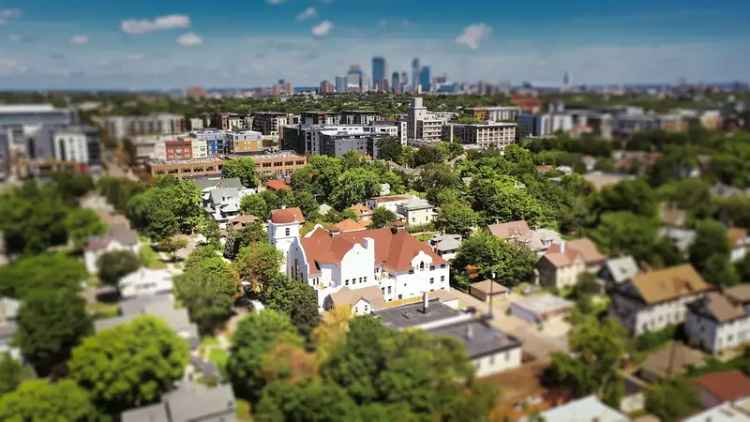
(432, 280)
(389, 289)
(421, 266)
(442, 278)
(346, 282)
(360, 280)
(287, 231)
(400, 297)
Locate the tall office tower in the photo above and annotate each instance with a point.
(378, 72)
(425, 79)
(354, 78)
(326, 87)
(566, 80)
(396, 83)
(404, 81)
(341, 83)
(415, 73)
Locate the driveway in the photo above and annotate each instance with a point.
(539, 343)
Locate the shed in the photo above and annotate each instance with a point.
(483, 289)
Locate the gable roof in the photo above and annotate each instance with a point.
(718, 307)
(739, 293)
(726, 385)
(622, 269)
(277, 185)
(287, 216)
(669, 283)
(736, 236)
(585, 409)
(565, 253)
(347, 296)
(393, 251)
(517, 229)
(349, 225)
(588, 250)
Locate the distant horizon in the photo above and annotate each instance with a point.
(146, 45)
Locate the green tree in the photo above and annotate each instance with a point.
(455, 217)
(503, 198)
(41, 400)
(12, 373)
(672, 400)
(243, 168)
(431, 376)
(118, 191)
(129, 365)
(208, 288)
(256, 334)
(599, 350)
(82, 223)
(635, 196)
(314, 401)
(255, 205)
(171, 245)
(710, 253)
(32, 219)
(115, 265)
(625, 233)
(511, 263)
(296, 299)
(382, 217)
(305, 201)
(390, 149)
(41, 272)
(353, 186)
(170, 206)
(50, 324)
(72, 185)
(258, 263)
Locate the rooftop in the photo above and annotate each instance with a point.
(583, 410)
(413, 315)
(669, 283)
(726, 385)
(622, 269)
(287, 215)
(478, 336)
(544, 303)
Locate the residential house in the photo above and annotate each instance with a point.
(190, 402)
(160, 306)
(417, 212)
(716, 388)
(119, 237)
(564, 262)
(490, 350)
(538, 241)
(618, 270)
(348, 225)
(540, 308)
(222, 197)
(720, 321)
(735, 411)
(681, 238)
(670, 360)
(657, 299)
(486, 289)
(389, 202)
(362, 301)
(446, 245)
(277, 185)
(589, 408)
(145, 281)
(738, 242)
(361, 211)
(328, 260)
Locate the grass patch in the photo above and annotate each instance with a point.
(100, 310)
(150, 258)
(219, 357)
(242, 411)
(423, 237)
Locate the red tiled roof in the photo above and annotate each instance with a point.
(349, 225)
(393, 251)
(277, 185)
(287, 215)
(584, 247)
(725, 386)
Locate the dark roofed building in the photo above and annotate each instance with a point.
(191, 402)
(716, 388)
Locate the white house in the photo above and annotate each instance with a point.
(738, 242)
(654, 300)
(119, 238)
(390, 259)
(720, 321)
(222, 197)
(417, 212)
(145, 281)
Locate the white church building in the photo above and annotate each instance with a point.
(389, 259)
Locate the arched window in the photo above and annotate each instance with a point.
(421, 266)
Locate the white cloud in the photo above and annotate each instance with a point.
(275, 2)
(306, 14)
(79, 39)
(189, 39)
(7, 15)
(142, 26)
(322, 29)
(473, 35)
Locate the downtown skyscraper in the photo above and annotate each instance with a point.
(379, 71)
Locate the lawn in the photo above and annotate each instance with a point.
(150, 258)
(101, 310)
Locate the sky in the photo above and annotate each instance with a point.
(142, 44)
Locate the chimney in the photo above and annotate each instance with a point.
(469, 331)
(562, 246)
(335, 231)
(425, 303)
(397, 226)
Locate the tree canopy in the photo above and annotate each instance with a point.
(512, 264)
(115, 265)
(41, 400)
(243, 168)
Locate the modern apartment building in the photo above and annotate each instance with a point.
(423, 124)
(121, 127)
(80, 144)
(244, 142)
(486, 135)
(270, 122)
(497, 113)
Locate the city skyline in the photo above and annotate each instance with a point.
(141, 45)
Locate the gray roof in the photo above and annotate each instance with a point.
(478, 336)
(417, 204)
(193, 401)
(218, 194)
(446, 242)
(123, 234)
(8, 308)
(585, 409)
(153, 413)
(215, 182)
(622, 269)
(412, 315)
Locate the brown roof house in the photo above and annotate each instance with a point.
(716, 388)
(738, 242)
(671, 360)
(538, 241)
(565, 261)
(657, 299)
(720, 320)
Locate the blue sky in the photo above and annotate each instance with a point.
(133, 44)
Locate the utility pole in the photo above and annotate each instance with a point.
(492, 285)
